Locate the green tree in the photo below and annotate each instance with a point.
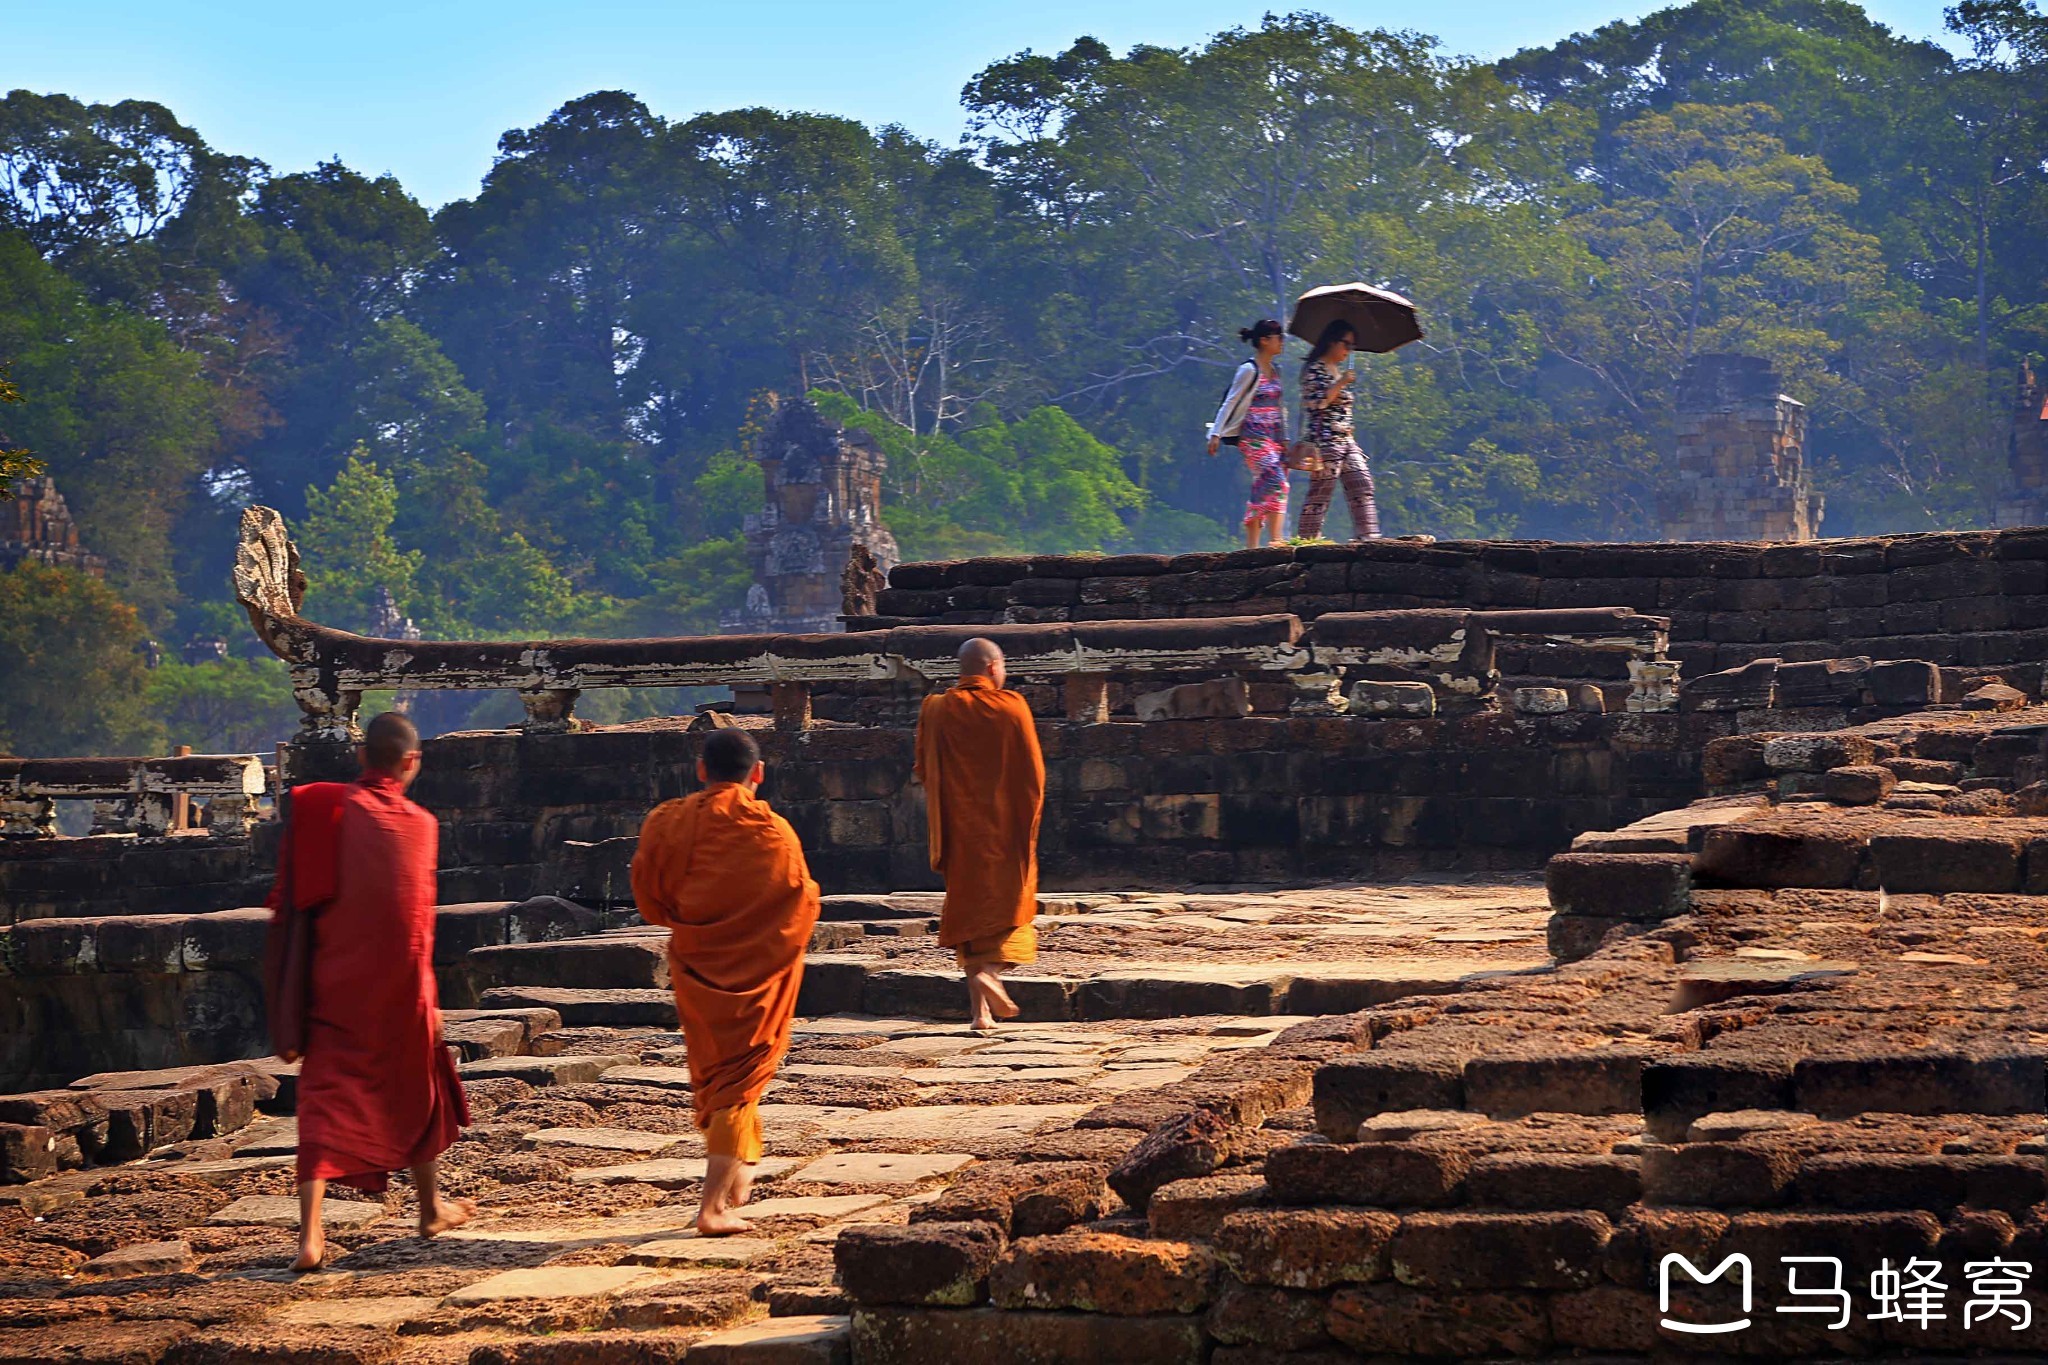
(1713, 237)
(475, 575)
(16, 462)
(227, 706)
(126, 412)
(71, 675)
(346, 546)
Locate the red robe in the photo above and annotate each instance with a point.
(377, 1090)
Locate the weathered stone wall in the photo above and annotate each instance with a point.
(120, 874)
(139, 992)
(1251, 799)
(1965, 599)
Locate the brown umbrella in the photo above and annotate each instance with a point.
(1381, 320)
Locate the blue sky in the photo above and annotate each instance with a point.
(423, 89)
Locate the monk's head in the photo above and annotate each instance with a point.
(391, 747)
(731, 756)
(980, 658)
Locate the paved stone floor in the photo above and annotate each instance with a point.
(585, 1165)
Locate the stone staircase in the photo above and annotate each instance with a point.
(876, 956)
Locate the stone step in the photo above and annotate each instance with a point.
(847, 983)
(596, 962)
(627, 1007)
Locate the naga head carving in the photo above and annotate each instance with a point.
(268, 581)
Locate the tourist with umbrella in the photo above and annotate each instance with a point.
(1254, 419)
(1340, 319)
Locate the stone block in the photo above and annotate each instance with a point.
(1921, 1083)
(1542, 701)
(1372, 698)
(1815, 856)
(1478, 1251)
(1679, 1090)
(1192, 1210)
(1555, 1180)
(1102, 1273)
(1733, 761)
(1466, 1326)
(1858, 784)
(1352, 1089)
(1224, 698)
(1375, 1174)
(1904, 683)
(1816, 753)
(809, 1339)
(1307, 1248)
(1941, 860)
(142, 1258)
(921, 1336)
(1563, 1081)
(27, 1152)
(922, 1263)
(1195, 1144)
(1719, 1174)
(1272, 1320)
(1632, 886)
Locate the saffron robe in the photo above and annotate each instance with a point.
(377, 1090)
(984, 790)
(726, 877)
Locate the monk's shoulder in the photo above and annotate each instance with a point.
(668, 813)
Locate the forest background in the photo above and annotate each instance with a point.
(530, 411)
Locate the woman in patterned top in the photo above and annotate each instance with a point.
(1326, 408)
(1254, 419)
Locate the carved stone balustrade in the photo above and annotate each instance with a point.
(129, 795)
(1451, 649)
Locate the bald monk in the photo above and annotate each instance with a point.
(984, 784)
(726, 876)
(377, 1090)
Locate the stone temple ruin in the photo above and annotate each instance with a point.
(1741, 456)
(823, 510)
(1471, 950)
(36, 524)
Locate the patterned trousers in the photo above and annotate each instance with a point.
(1357, 480)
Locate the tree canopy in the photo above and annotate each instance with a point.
(531, 410)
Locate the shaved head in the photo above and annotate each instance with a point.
(391, 746)
(980, 655)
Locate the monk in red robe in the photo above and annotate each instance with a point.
(726, 876)
(377, 1089)
(984, 788)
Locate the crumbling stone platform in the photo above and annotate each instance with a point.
(1491, 1163)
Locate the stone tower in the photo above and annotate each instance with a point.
(2027, 453)
(824, 496)
(1741, 471)
(36, 524)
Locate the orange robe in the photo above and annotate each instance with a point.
(726, 876)
(377, 1090)
(984, 789)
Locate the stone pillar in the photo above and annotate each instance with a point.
(2027, 453)
(1741, 457)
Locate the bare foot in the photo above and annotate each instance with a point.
(448, 1213)
(720, 1224)
(742, 1186)
(994, 999)
(312, 1253)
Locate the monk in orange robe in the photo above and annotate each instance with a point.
(726, 876)
(984, 788)
(377, 1089)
